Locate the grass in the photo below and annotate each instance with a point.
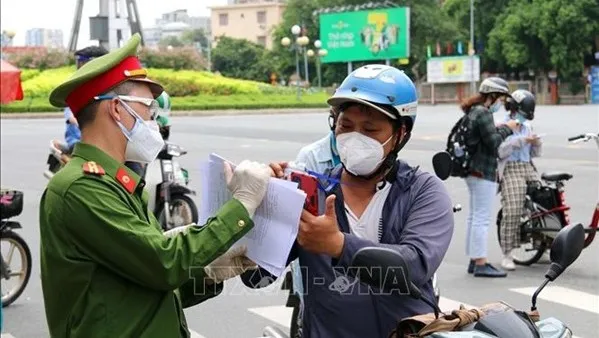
(200, 102)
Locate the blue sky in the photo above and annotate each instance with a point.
(20, 15)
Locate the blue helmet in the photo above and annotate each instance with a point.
(374, 85)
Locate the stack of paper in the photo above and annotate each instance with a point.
(276, 220)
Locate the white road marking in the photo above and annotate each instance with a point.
(6, 335)
(569, 297)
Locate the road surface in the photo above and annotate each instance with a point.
(239, 312)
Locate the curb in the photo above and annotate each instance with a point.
(192, 113)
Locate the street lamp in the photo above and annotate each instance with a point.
(298, 42)
(303, 41)
(321, 53)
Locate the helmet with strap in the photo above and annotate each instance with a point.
(89, 53)
(523, 102)
(494, 85)
(387, 90)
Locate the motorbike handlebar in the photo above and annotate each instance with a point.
(575, 138)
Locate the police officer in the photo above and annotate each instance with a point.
(72, 134)
(107, 269)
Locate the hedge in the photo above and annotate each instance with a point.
(190, 90)
(237, 101)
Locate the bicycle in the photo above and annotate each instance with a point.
(11, 205)
(546, 212)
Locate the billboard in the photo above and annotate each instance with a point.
(379, 34)
(452, 69)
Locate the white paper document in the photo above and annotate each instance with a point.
(276, 220)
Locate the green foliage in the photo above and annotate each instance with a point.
(541, 35)
(242, 59)
(41, 59)
(427, 24)
(193, 36)
(176, 58)
(201, 102)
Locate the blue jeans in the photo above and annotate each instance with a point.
(482, 193)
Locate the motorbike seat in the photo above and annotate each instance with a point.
(556, 176)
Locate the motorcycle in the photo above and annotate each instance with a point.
(11, 205)
(503, 321)
(168, 191)
(56, 159)
(293, 280)
(545, 212)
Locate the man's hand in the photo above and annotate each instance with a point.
(321, 234)
(278, 169)
(248, 183)
(232, 263)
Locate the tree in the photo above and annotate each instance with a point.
(240, 58)
(547, 35)
(170, 41)
(193, 36)
(427, 24)
(486, 15)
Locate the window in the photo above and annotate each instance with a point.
(261, 16)
(223, 19)
(262, 40)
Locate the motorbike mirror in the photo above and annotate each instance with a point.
(382, 268)
(442, 165)
(566, 247)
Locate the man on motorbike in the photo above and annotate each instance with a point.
(515, 170)
(72, 133)
(106, 267)
(164, 126)
(374, 200)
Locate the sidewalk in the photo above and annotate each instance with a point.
(227, 112)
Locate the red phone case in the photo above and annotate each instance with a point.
(310, 186)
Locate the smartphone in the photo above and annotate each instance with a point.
(309, 185)
(541, 135)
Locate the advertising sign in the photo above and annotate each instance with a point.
(594, 84)
(379, 34)
(453, 69)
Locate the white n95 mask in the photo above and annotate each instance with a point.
(360, 154)
(144, 140)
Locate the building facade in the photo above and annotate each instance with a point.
(174, 23)
(252, 20)
(51, 38)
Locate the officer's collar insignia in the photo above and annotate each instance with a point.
(93, 168)
(125, 180)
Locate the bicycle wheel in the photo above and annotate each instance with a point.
(532, 244)
(9, 295)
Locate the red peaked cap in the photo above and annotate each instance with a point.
(128, 69)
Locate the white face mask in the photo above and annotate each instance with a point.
(144, 140)
(360, 154)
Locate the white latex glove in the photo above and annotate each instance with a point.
(248, 183)
(230, 264)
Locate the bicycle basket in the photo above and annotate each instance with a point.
(542, 195)
(11, 203)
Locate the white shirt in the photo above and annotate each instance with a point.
(370, 225)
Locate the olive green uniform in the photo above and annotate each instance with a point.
(107, 269)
